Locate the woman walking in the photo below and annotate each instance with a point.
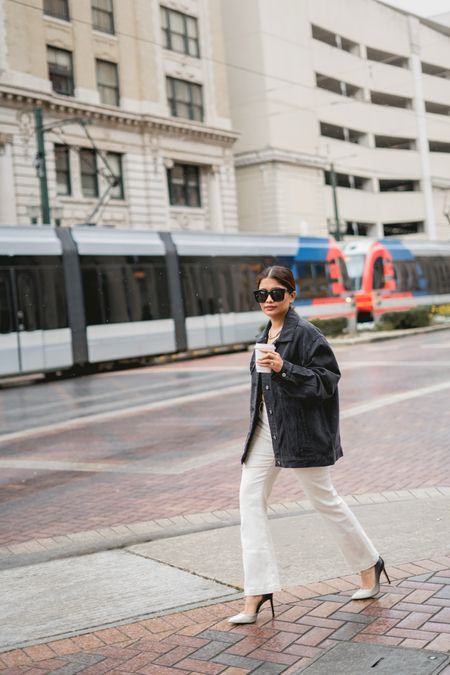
(294, 423)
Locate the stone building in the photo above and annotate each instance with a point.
(351, 89)
(136, 114)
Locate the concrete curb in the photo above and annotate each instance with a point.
(379, 336)
(120, 536)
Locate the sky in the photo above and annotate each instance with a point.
(422, 7)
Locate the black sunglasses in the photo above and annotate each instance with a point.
(277, 294)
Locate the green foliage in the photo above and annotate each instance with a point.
(412, 318)
(331, 327)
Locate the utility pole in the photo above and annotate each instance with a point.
(41, 166)
(335, 202)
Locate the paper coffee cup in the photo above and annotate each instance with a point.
(260, 348)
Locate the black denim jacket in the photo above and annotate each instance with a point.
(302, 400)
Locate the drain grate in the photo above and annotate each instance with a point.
(350, 658)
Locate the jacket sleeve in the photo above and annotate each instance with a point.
(317, 379)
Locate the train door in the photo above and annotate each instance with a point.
(9, 344)
(29, 327)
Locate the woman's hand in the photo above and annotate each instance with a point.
(271, 360)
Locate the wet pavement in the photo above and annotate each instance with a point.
(180, 455)
(141, 469)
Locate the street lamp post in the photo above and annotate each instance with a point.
(41, 166)
(335, 202)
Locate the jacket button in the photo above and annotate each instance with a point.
(277, 463)
(267, 386)
(270, 412)
(283, 374)
(274, 437)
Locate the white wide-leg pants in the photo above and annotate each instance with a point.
(258, 476)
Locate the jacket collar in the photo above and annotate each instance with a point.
(291, 321)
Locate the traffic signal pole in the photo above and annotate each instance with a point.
(41, 166)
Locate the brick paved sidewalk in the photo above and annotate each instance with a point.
(413, 612)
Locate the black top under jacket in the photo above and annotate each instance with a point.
(301, 400)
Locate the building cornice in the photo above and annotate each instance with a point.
(59, 105)
(278, 155)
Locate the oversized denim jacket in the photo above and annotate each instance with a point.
(302, 400)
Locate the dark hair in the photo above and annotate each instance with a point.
(281, 274)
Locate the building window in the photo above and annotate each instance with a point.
(338, 86)
(60, 70)
(57, 8)
(387, 57)
(184, 185)
(356, 229)
(185, 99)
(437, 71)
(114, 160)
(180, 32)
(394, 142)
(88, 169)
(103, 16)
(341, 133)
(396, 185)
(439, 146)
(62, 163)
(390, 100)
(108, 82)
(396, 229)
(334, 40)
(347, 181)
(437, 108)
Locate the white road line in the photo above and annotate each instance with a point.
(124, 412)
(187, 465)
(180, 400)
(180, 467)
(351, 365)
(393, 398)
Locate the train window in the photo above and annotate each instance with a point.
(112, 293)
(446, 262)
(312, 280)
(146, 290)
(347, 282)
(244, 282)
(199, 289)
(355, 267)
(40, 288)
(6, 309)
(378, 273)
(224, 288)
(28, 299)
(212, 285)
(92, 300)
(119, 289)
(53, 298)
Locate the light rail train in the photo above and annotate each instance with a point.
(391, 275)
(74, 297)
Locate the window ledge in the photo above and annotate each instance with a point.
(56, 19)
(181, 56)
(187, 209)
(101, 33)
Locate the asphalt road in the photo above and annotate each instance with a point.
(149, 443)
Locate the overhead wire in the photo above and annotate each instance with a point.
(284, 82)
(253, 71)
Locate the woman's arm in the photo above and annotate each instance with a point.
(317, 379)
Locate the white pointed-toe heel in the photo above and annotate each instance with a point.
(365, 593)
(251, 618)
